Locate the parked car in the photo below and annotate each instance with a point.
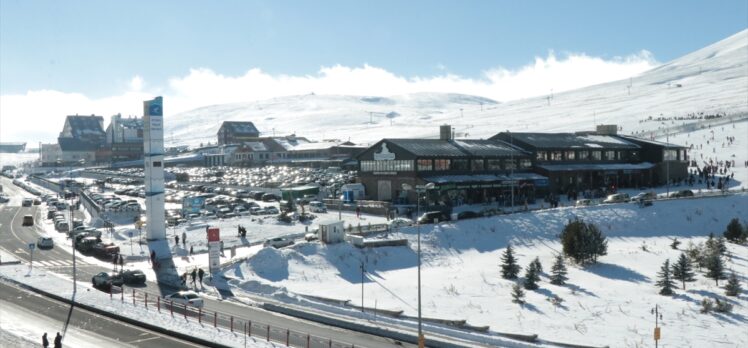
(682, 193)
(617, 198)
(105, 250)
(583, 202)
(27, 202)
(28, 220)
(317, 207)
(4, 198)
(104, 281)
(133, 277)
(45, 243)
(644, 196)
(37, 201)
(467, 215)
(400, 222)
(189, 298)
(310, 237)
(431, 216)
(278, 242)
(51, 213)
(270, 197)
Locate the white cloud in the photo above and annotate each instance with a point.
(39, 115)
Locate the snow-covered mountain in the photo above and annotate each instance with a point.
(711, 80)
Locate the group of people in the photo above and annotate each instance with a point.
(57, 341)
(197, 273)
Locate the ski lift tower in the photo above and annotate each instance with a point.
(153, 158)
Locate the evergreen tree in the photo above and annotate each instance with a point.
(538, 265)
(735, 232)
(518, 295)
(711, 245)
(558, 271)
(509, 266)
(675, 243)
(531, 277)
(721, 246)
(732, 288)
(682, 270)
(715, 268)
(665, 281)
(583, 242)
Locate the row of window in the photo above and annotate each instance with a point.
(424, 165)
(586, 155)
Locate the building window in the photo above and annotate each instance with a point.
(597, 155)
(476, 165)
(493, 164)
(541, 156)
(441, 164)
(620, 155)
(459, 164)
(583, 155)
(570, 155)
(425, 165)
(525, 163)
(683, 155)
(610, 155)
(634, 155)
(670, 155)
(556, 156)
(386, 166)
(157, 164)
(510, 164)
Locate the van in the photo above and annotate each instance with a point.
(433, 216)
(317, 207)
(28, 220)
(62, 226)
(617, 198)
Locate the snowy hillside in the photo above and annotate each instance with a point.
(711, 80)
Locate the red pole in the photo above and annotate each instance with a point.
(200, 315)
(232, 324)
(215, 319)
(146, 300)
(288, 335)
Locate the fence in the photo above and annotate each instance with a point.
(235, 324)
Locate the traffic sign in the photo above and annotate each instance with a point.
(32, 246)
(129, 234)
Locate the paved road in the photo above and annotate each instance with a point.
(76, 325)
(14, 238)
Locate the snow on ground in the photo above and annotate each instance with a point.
(18, 324)
(605, 304)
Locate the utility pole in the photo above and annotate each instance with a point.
(362, 285)
(511, 165)
(658, 316)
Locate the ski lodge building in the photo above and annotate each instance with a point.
(532, 164)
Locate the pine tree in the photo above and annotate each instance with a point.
(518, 295)
(675, 243)
(732, 288)
(538, 265)
(735, 232)
(583, 242)
(665, 281)
(721, 246)
(531, 277)
(509, 266)
(711, 244)
(558, 271)
(715, 268)
(682, 270)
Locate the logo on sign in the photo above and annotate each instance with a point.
(214, 234)
(384, 154)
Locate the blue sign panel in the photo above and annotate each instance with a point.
(155, 107)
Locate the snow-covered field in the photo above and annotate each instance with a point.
(605, 304)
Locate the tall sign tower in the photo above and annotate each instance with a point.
(153, 154)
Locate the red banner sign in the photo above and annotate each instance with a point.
(213, 234)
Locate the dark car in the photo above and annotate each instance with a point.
(467, 215)
(431, 216)
(270, 197)
(133, 277)
(105, 250)
(256, 195)
(683, 193)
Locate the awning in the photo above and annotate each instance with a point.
(594, 166)
(478, 181)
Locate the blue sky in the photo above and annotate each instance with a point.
(105, 57)
(95, 47)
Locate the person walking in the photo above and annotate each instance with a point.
(184, 239)
(200, 274)
(58, 341)
(194, 275)
(191, 250)
(45, 341)
(176, 241)
(121, 263)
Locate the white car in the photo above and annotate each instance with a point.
(271, 210)
(400, 222)
(189, 298)
(45, 242)
(317, 207)
(278, 242)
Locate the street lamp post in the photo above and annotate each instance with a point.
(419, 189)
(511, 166)
(665, 157)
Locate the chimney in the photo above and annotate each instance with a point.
(607, 129)
(445, 132)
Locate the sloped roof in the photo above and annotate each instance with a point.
(75, 144)
(456, 148)
(84, 126)
(653, 142)
(488, 148)
(570, 140)
(240, 128)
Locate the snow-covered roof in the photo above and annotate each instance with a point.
(595, 166)
(567, 140)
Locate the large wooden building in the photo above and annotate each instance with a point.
(235, 132)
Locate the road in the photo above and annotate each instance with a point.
(16, 238)
(80, 328)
